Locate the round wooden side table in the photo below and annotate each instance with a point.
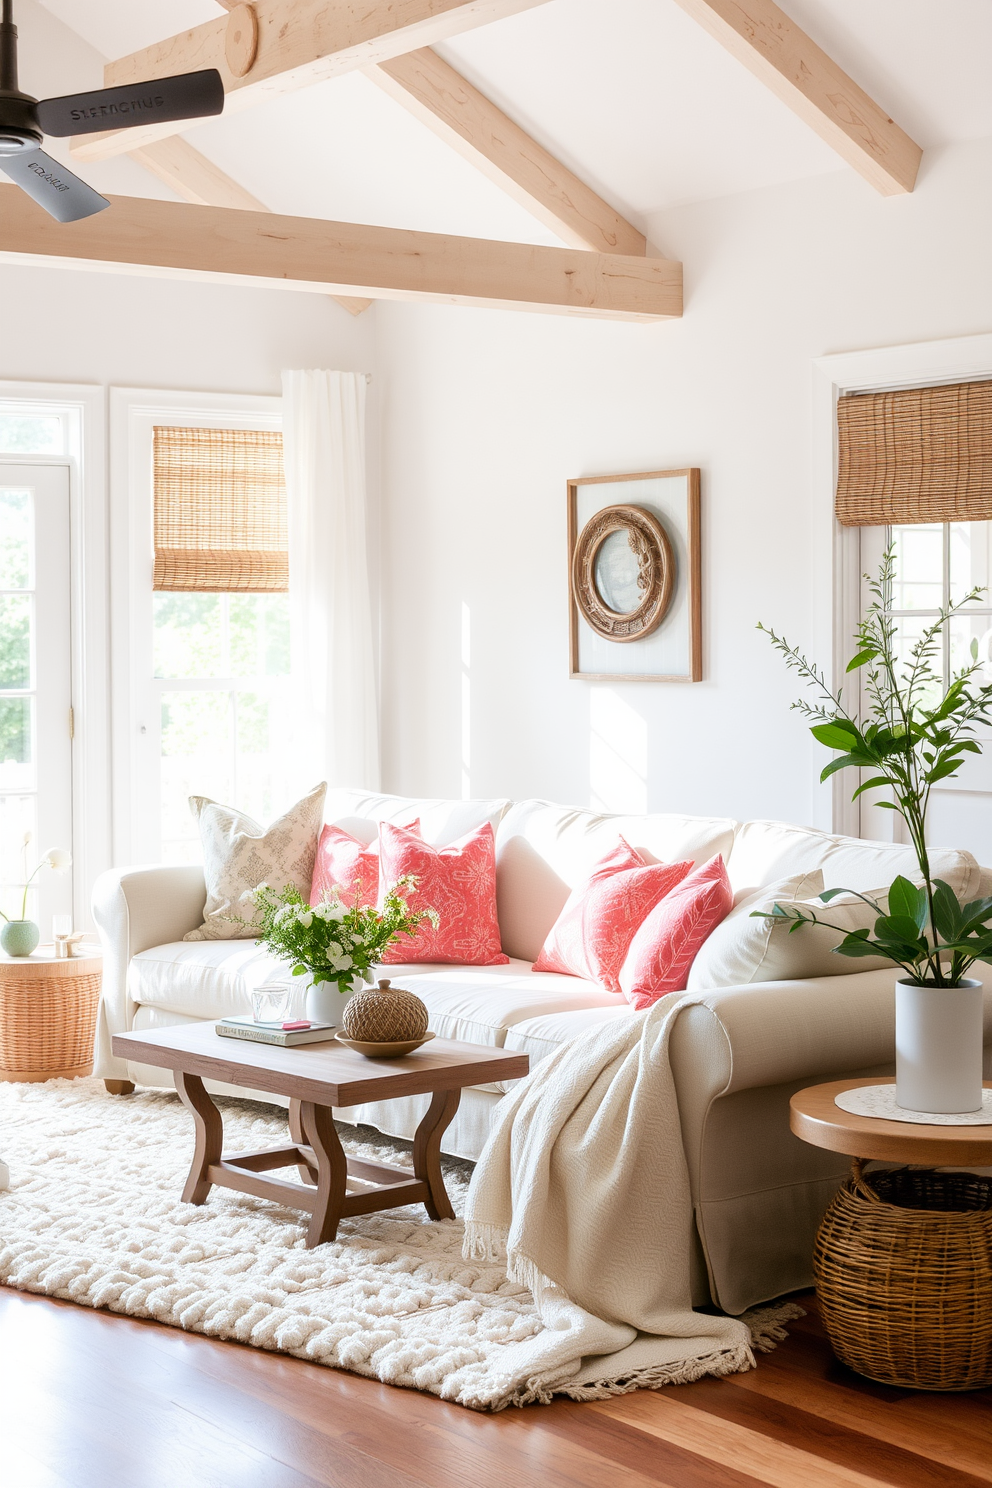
(48, 1015)
(903, 1258)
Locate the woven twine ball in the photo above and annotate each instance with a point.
(384, 1015)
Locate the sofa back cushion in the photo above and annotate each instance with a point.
(544, 850)
(765, 851)
(441, 822)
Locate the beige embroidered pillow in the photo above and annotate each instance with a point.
(742, 950)
(238, 854)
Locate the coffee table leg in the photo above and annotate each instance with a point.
(427, 1151)
(308, 1174)
(332, 1172)
(209, 1135)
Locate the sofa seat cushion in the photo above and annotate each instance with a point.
(474, 1004)
(544, 850)
(764, 851)
(206, 978)
(480, 1004)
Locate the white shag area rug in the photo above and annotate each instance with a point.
(93, 1215)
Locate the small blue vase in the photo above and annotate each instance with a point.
(19, 937)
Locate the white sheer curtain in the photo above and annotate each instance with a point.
(330, 603)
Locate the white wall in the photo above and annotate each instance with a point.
(486, 414)
(61, 325)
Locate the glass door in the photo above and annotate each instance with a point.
(35, 687)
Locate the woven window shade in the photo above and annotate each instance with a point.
(915, 455)
(220, 511)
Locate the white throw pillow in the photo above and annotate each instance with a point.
(742, 950)
(238, 854)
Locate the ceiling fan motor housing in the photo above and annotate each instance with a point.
(18, 130)
(18, 120)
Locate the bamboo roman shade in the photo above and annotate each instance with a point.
(915, 455)
(220, 511)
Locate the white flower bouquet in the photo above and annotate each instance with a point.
(330, 942)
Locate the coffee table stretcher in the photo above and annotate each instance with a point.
(322, 1162)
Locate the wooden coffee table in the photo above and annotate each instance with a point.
(317, 1077)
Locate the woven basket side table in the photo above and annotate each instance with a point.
(48, 1016)
(903, 1257)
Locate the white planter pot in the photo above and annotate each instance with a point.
(325, 1004)
(939, 1047)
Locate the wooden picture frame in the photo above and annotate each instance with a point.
(671, 650)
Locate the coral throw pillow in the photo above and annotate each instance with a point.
(458, 881)
(665, 946)
(592, 935)
(348, 867)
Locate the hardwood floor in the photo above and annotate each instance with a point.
(87, 1398)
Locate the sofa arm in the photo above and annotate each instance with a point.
(135, 909)
(770, 1033)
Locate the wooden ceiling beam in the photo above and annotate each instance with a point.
(196, 179)
(300, 42)
(438, 95)
(222, 245)
(776, 50)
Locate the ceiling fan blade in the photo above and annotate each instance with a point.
(62, 194)
(191, 95)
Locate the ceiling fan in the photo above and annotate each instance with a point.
(24, 121)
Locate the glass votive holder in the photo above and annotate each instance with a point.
(270, 1004)
(61, 931)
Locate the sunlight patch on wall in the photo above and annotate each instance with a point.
(466, 672)
(618, 754)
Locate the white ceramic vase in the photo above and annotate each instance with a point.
(939, 1047)
(326, 1004)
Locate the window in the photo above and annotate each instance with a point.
(35, 697)
(936, 564)
(31, 434)
(220, 626)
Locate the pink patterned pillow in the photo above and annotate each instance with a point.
(665, 946)
(349, 866)
(459, 882)
(591, 936)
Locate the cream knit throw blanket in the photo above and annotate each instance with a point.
(583, 1184)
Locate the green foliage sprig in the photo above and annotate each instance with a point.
(911, 734)
(330, 942)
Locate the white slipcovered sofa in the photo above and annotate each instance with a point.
(758, 1192)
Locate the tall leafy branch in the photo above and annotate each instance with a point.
(910, 734)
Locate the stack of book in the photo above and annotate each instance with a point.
(285, 1035)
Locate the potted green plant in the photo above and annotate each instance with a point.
(909, 733)
(332, 945)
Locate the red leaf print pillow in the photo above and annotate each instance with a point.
(665, 946)
(591, 936)
(459, 882)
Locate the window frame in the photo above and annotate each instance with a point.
(133, 415)
(835, 568)
(82, 408)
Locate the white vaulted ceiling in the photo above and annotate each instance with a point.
(631, 94)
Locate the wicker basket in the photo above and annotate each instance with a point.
(903, 1265)
(48, 1017)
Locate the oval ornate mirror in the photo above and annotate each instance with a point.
(623, 573)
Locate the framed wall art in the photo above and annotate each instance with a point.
(634, 569)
